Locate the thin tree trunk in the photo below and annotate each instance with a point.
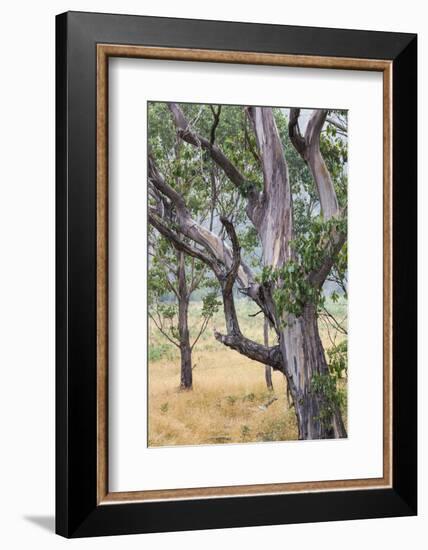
(186, 380)
(268, 368)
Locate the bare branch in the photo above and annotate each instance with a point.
(338, 124)
(236, 249)
(334, 321)
(255, 314)
(317, 277)
(201, 331)
(257, 352)
(216, 115)
(159, 326)
(159, 183)
(212, 243)
(179, 243)
(234, 338)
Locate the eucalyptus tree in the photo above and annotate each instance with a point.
(302, 235)
(172, 272)
(209, 194)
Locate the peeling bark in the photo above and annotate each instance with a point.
(275, 216)
(299, 354)
(217, 249)
(308, 146)
(300, 344)
(304, 358)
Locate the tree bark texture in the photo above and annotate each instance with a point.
(304, 358)
(186, 379)
(299, 353)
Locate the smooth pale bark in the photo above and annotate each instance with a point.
(209, 241)
(234, 339)
(308, 146)
(300, 354)
(275, 214)
(301, 347)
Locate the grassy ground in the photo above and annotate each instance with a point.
(227, 404)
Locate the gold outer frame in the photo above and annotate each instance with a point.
(104, 51)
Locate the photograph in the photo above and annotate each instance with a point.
(214, 246)
(247, 283)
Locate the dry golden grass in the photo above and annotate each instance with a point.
(228, 391)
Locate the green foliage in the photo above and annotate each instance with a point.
(292, 289)
(317, 241)
(245, 432)
(249, 397)
(164, 407)
(231, 399)
(328, 385)
(325, 385)
(334, 148)
(273, 430)
(191, 171)
(157, 352)
(338, 360)
(210, 305)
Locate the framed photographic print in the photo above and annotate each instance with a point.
(236, 274)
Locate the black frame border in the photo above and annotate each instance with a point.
(77, 512)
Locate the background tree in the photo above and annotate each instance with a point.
(173, 273)
(209, 194)
(297, 258)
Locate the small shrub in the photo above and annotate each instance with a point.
(231, 399)
(249, 397)
(164, 407)
(156, 353)
(245, 432)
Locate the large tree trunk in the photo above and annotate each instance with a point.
(300, 354)
(186, 380)
(318, 415)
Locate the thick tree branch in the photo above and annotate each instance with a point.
(216, 115)
(211, 242)
(234, 338)
(308, 147)
(274, 215)
(317, 277)
(338, 124)
(236, 250)
(179, 243)
(186, 133)
(271, 356)
(159, 183)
